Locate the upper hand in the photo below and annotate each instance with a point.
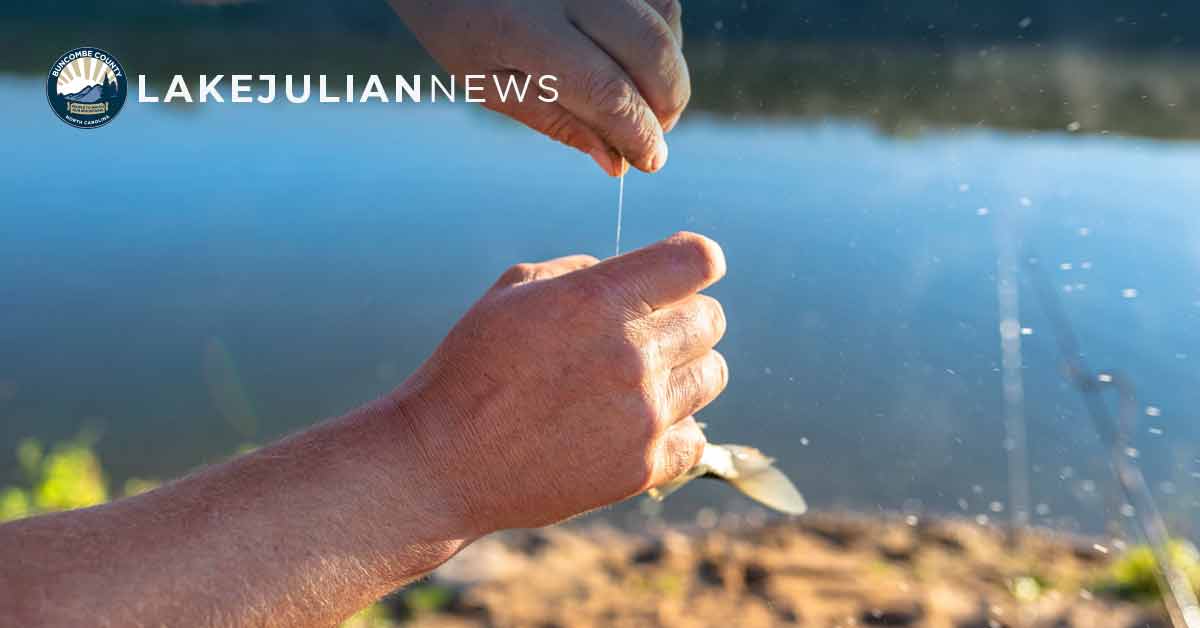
(571, 384)
(623, 81)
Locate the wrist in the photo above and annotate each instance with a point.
(443, 424)
(410, 440)
(392, 495)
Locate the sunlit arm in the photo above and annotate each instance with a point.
(570, 385)
(302, 533)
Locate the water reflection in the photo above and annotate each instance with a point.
(323, 250)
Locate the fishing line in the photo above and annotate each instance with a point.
(1178, 596)
(620, 207)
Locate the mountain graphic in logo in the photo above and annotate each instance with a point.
(94, 93)
(89, 94)
(86, 87)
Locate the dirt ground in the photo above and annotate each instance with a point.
(822, 570)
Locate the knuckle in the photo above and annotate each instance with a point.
(664, 53)
(676, 461)
(646, 417)
(691, 386)
(714, 316)
(672, 97)
(516, 273)
(659, 36)
(561, 128)
(704, 254)
(606, 291)
(692, 334)
(681, 88)
(722, 371)
(698, 384)
(633, 369)
(611, 94)
(682, 452)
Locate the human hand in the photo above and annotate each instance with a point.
(623, 78)
(571, 385)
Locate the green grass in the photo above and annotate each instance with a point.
(1133, 576)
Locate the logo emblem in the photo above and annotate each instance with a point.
(86, 88)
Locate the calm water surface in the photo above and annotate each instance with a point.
(192, 279)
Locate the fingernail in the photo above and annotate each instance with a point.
(602, 159)
(660, 156)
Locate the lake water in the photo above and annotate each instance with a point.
(191, 279)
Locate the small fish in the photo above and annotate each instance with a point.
(749, 471)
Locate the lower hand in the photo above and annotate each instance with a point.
(623, 78)
(571, 385)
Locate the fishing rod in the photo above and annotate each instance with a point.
(1178, 595)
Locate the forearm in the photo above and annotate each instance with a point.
(301, 533)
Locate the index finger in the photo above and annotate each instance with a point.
(599, 92)
(672, 12)
(666, 272)
(641, 41)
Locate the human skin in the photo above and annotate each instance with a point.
(623, 80)
(569, 385)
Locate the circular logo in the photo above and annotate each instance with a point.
(86, 87)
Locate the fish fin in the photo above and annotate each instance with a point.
(770, 487)
(748, 470)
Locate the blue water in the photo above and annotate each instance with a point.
(324, 250)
